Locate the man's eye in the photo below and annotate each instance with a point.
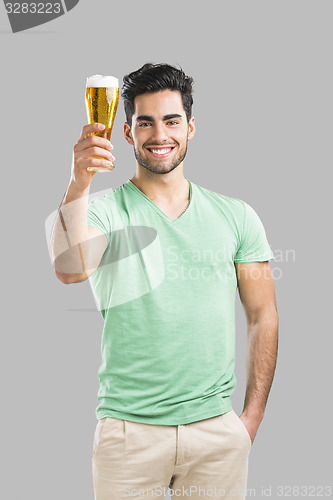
(144, 124)
(172, 122)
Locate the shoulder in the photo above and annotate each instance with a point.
(232, 204)
(107, 197)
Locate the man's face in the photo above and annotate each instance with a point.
(159, 131)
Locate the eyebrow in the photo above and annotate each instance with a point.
(148, 118)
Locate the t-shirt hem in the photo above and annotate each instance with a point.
(227, 406)
(253, 259)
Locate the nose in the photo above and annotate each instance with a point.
(160, 133)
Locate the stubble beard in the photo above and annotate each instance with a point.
(160, 169)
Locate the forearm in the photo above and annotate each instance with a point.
(68, 243)
(262, 348)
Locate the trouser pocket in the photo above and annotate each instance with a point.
(98, 433)
(245, 431)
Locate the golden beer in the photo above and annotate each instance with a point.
(102, 98)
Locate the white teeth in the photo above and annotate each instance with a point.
(161, 151)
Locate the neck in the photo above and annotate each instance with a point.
(169, 187)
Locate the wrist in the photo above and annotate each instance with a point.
(253, 413)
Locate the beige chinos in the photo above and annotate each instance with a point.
(203, 459)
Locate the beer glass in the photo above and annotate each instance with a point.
(102, 97)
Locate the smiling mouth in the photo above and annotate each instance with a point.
(162, 152)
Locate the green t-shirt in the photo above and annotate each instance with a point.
(166, 290)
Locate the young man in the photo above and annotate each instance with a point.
(165, 257)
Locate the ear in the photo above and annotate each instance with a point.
(191, 129)
(128, 134)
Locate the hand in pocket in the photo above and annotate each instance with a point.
(250, 426)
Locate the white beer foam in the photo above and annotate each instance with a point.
(102, 81)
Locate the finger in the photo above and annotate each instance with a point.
(93, 141)
(85, 163)
(95, 151)
(90, 128)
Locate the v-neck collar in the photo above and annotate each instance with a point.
(157, 209)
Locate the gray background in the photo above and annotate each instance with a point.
(263, 108)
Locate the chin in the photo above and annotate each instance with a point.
(161, 170)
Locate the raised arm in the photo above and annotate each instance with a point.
(76, 249)
(257, 294)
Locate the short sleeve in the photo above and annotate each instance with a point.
(253, 245)
(99, 216)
